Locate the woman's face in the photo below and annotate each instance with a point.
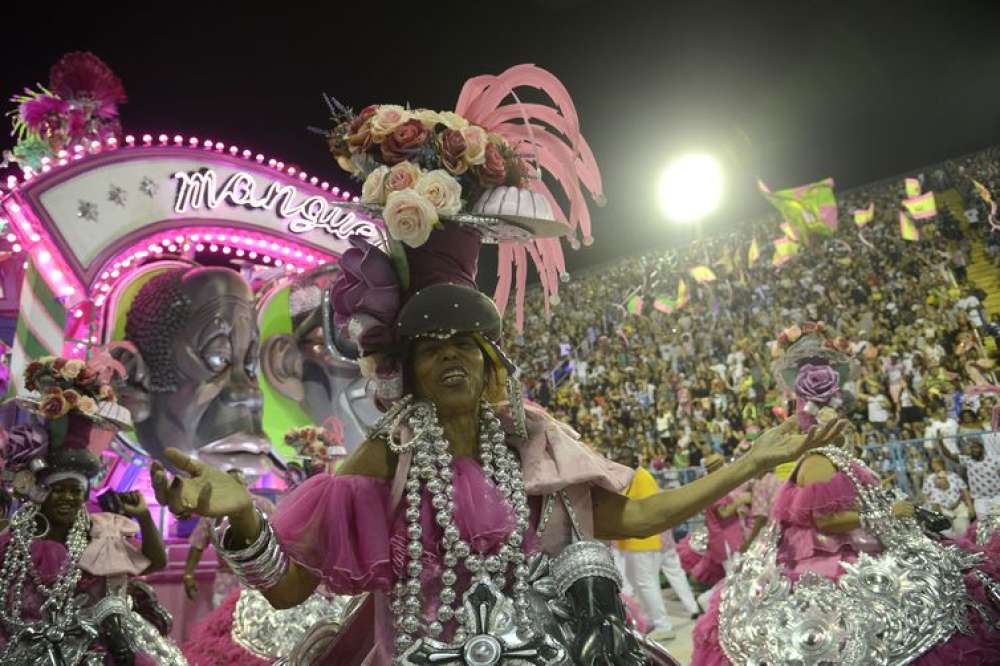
(450, 373)
(64, 501)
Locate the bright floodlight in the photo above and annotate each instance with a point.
(690, 188)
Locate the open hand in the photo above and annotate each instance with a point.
(190, 587)
(205, 490)
(133, 504)
(783, 443)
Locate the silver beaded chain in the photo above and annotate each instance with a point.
(431, 470)
(58, 604)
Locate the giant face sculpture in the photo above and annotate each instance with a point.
(192, 366)
(302, 368)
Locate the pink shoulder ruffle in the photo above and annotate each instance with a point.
(110, 551)
(337, 527)
(553, 458)
(47, 556)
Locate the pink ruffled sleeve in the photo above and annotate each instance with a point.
(338, 527)
(798, 505)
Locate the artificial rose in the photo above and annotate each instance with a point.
(811, 327)
(72, 369)
(53, 406)
(30, 373)
(404, 141)
(443, 191)
(403, 176)
(409, 217)
(58, 364)
(87, 405)
(475, 144)
(367, 286)
(373, 189)
(361, 118)
(452, 120)
(24, 444)
(792, 333)
(87, 377)
(387, 118)
(71, 397)
(817, 383)
(494, 168)
(427, 117)
(451, 145)
(107, 393)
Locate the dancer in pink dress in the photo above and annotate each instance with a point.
(468, 524)
(818, 535)
(725, 522)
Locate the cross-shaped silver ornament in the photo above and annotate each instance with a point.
(86, 210)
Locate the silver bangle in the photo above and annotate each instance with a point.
(583, 559)
(259, 566)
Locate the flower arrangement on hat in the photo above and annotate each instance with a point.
(79, 105)
(67, 386)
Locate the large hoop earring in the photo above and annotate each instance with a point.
(48, 526)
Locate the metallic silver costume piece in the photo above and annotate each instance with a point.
(986, 527)
(583, 559)
(886, 609)
(259, 566)
(272, 634)
(698, 539)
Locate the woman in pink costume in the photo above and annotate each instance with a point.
(64, 571)
(725, 522)
(816, 514)
(471, 522)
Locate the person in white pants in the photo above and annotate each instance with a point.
(670, 565)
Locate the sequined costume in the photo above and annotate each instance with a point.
(804, 548)
(107, 561)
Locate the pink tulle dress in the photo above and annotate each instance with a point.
(725, 536)
(346, 530)
(111, 557)
(804, 548)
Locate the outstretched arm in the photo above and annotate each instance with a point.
(618, 517)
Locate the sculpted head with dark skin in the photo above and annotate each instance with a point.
(194, 378)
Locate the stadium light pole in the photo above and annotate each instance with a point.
(690, 188)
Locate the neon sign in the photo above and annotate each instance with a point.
(200, 189)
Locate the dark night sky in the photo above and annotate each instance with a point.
(859, 91)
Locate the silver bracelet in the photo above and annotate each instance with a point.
(259, 566)
(583, 559)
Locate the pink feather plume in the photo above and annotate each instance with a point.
(550, 136)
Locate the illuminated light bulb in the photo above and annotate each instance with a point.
(178, 139)
(142, 254)
(187, 246)
(46, 160)
(301, 271)
(199, 247)
(291, 171)
(220, 146)
(130, 140)
(321, 262)
(16, 247)
(286, 250)
(252, 255)
(56, 275)
(35, 238)
(302, 175)
(179, 238)
(247, 154)
(63, 162)
(11, 238)
(280, 165)
(298, 254)
(112, 141)
(310, 258)
(46, 168)
(11, 182)
(213, 248)
(335, 190)
(147, 139)
(95, 145)
(44, 257)
(233, 150)
(313, 180)
(325, 185)
(259, 157)
(193, 141)
(227, 250)
(278, 262)
(163, 138)
(240, 253)
(274, 247)
(262, 243)
(209, 237)
(68, 290)
(266, 259)
(78, 313)
(195, 237)
(356, 200)
(15, 208)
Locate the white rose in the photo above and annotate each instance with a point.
(475, 144)
(373, 190)
(427, 117)
(387, 118)
(452, 120)
(72, 368)
(409, 217)
(443, 191)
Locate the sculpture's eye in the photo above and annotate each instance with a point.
(218, 354)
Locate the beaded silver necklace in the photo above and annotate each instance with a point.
(58, 610)
(431, 470)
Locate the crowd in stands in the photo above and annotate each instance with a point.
(673, 387)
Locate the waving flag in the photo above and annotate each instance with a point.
(921, 207)
(668, 305)
(863, 216)
(753, 254)
(789, 232)
(987, 197)
(702, 274)
(682, 294)
(912, 187)
(784, 250)
(810, 208)
(635, 305)
(907, 229)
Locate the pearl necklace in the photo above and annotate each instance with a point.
(431, 469)
(58, 600)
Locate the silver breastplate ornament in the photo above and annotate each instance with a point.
(884, 610)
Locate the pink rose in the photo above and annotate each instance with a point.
(494, 168)
(403, 176)
(53, 406)
(404, 141)
(451, 145)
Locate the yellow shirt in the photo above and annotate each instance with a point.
(643, 485)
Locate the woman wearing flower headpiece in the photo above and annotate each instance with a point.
(64, 571)
(900, 597)
(471, 519)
